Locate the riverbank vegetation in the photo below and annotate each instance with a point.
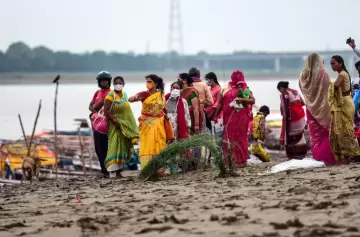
(19, 57)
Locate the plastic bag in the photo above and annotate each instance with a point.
(253, 160)
(235, 105)
(257, 150)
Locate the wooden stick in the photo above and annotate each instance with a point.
(34, 128)
(90, 151)
(56, 81)
(23, 132)
(82, 150)
(92, 146)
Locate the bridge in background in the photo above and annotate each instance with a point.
(348, 55)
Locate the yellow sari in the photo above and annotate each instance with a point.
(151, 127)
(342, 139)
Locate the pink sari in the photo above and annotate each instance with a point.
(314, 83)
(319, 141)
(235, 128)
(214, 93)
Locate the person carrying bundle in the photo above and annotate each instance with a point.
(259, 134)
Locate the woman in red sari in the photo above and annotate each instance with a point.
(178, 112)
(191, 95)
(236, 122)
(293, 123)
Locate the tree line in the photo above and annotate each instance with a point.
(19, 57)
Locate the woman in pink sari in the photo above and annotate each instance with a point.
(236, 122)
(213, 123)
(314, 83)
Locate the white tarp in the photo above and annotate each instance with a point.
(306, 163)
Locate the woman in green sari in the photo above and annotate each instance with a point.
(123, 132)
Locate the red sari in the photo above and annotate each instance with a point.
(236, 126)
(293, 125)
(182, 131)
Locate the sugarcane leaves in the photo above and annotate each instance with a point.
(167, 157)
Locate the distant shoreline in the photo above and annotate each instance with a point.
(88, 77)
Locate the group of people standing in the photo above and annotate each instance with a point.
(330, 113)
(191, 106)
(209, 109)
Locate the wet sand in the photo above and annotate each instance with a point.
(304, 203)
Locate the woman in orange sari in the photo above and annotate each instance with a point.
(151, 122)
(293, 123)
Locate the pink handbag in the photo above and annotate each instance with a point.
(99, 121)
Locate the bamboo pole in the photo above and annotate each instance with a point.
(23, 132)
(34, 128)
(56, 81)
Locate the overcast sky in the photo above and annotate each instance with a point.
(211, 25)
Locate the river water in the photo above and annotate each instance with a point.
(73, 101)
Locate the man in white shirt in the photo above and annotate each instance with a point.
(353, 46)
(355, 93)
(355, 82)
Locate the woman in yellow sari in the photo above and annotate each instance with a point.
(151, 122)
(342, 139)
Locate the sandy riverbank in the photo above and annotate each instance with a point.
(86, 78)
(305, 203)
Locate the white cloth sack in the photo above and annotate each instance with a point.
(306, 163)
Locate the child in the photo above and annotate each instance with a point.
(356, 126)
(357, 117)
(259, 134)
(241, 94)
